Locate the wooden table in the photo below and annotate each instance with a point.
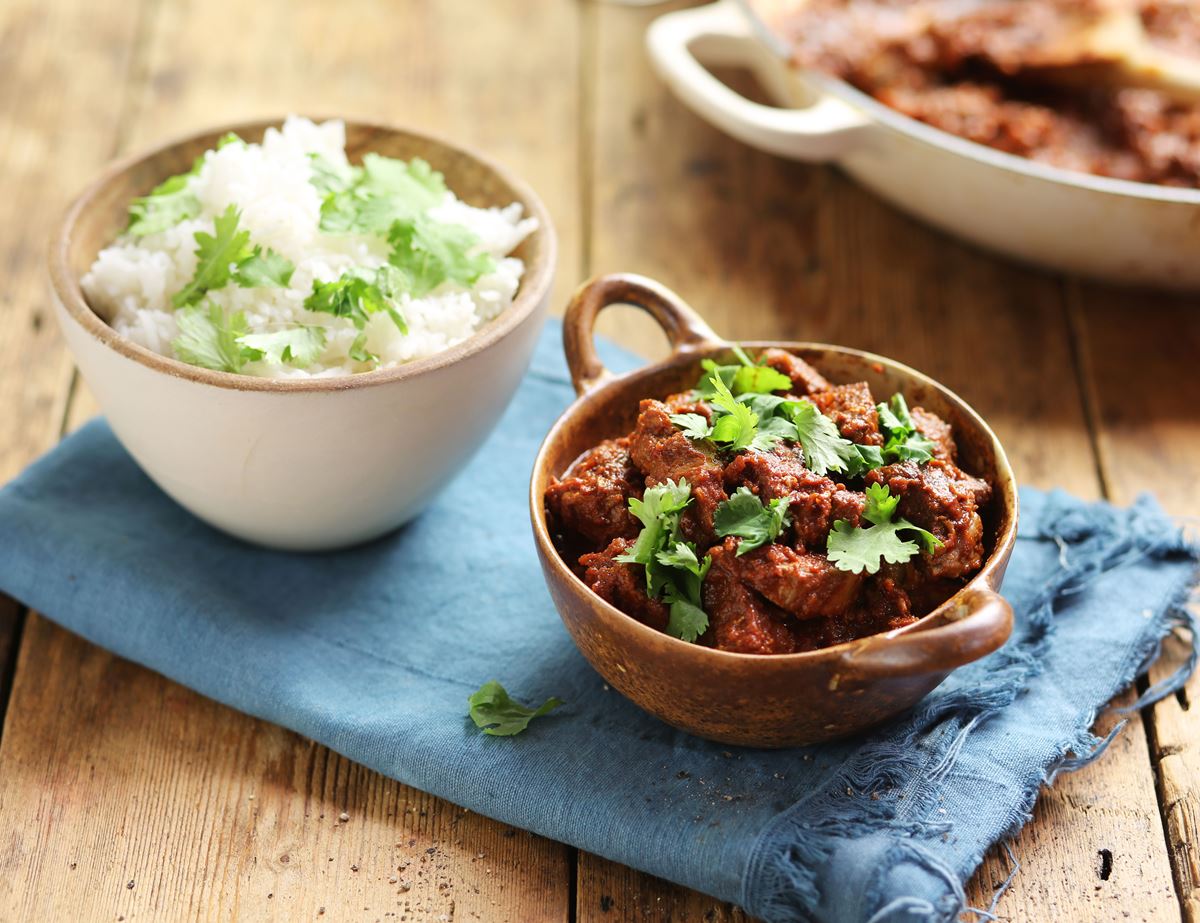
(125, 796)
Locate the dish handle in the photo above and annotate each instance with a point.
(821, 132)
(682, 325)
(979, 623)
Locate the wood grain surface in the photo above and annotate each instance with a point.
(123, 795)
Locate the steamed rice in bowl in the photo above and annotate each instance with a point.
(318, 268)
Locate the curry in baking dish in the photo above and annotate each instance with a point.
(768, 511)
(1002, 73)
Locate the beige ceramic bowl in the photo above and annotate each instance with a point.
(312, 464)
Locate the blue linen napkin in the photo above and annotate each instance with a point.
(374, 651)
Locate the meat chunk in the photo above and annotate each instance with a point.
(803, 583)
(662, 452)
(805, 379)
(814, 502)
(939, 497)
(937, 431)
(852, 408)
(623, 585)
(686, 402)
(592, 501)
(739, 619)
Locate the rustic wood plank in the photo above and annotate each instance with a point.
(1140, 352)
(769, 249)
(142, 799)
(50, 141)
(158, 789)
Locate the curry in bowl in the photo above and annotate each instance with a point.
(769, 511)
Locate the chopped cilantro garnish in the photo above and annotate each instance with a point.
(745, 516)
(863, 549)
(738, 426)
(495, 712)
(694, 425)
(370, 198)
(226, 255)
(357, 294)
(745, 378)
(824, 448)
(427, 253)
(230, 137)
(168, 203)
(209, 339)
(299, 346)
(673, 571)
(359, 351)
(902, 440)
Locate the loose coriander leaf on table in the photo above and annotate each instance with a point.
(210, 339)
(745, 516)
(496, 713)
(298, 346)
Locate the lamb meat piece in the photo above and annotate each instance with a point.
(803, 583)
(623, 585)
(686, 402)
(852, 408)
(815, 502)
(937, 431)
(939, 497)
(805, 379)
(662, 452)
(739, 619)
(593, 499)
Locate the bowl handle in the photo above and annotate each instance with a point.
(825, 130)
(682, 325)
(978, 624)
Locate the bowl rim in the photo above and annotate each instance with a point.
(986, 579)
(533, 289)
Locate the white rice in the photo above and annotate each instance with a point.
(132, 281)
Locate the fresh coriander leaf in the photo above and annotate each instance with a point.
(704, 387)
(864, 549)
(739, 425)
(230, 137)
(209, 339)
(263, 269)
(687, 621)
(496, 713)
(658, 511)
(744, 515)
(759, 379)
(694, 425)
(902, 440)
(681, 555)
(359, 352)
(772, 431)
(824, 448)
(428, 253)
(168, 203)
(298, 346)
(765, 405)
(356, 294)
(370, 198)
(862, 458)
(216, 256)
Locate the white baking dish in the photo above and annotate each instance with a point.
(1063, 220)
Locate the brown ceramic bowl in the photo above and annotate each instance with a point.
(755, 700)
